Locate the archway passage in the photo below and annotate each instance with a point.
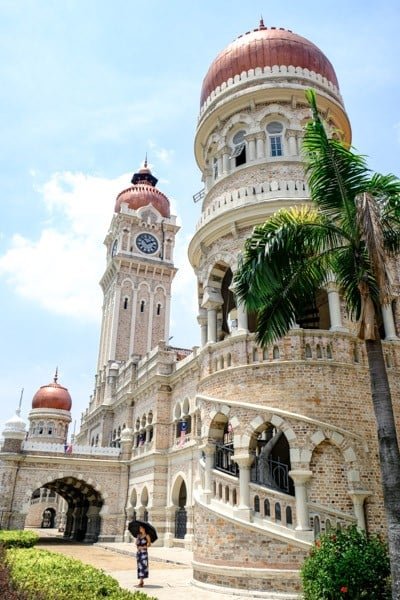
(82, 520)
(181, 514)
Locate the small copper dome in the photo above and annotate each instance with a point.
(52, 395)
(143, 192)
(266, 47)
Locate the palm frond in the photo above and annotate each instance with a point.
(284, 263)
(335, 173)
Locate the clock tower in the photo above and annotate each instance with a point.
(139, 272)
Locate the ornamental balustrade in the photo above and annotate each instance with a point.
(69, 449)
(270, 190)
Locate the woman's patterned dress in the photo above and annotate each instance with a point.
(142, 557)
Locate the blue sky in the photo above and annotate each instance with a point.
(87, 88)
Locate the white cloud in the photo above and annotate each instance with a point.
(60, 270)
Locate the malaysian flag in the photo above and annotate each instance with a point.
(183, 428)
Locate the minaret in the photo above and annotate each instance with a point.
(248, 148)
(139, 272)
(14, 431)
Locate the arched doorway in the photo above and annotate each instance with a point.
(181, 513)
(271, 464)
(81, 521)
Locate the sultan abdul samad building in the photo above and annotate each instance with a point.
(226, 442)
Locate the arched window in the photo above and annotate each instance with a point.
(289, 519)
(328, 525)
(278, 512)
(317, 527)
(255, 354)
(256, 504)
(50, 428)
(125, 303)
(308, 351)
(142, 304)
(40, 428)
(226, 493)
(274, 131)
(267, 508)
(158, 309)
(239, 148)
(319, 351)
(275, 353)
(234, 497)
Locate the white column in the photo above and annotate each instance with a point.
(260, 146)
(244, 463)
(202, 320)
(209, 452)
(388, 322)
(300, 479)
(358, 498)
(208, 178)
(292, 142)
(334, 308)
(211, 325)
(251, 142)
(225, 160)
(219, 158)
(242, 317)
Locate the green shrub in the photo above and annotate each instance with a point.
(346, 564)
(39, 573)
(18, 538)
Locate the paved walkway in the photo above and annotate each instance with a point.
(170, 569)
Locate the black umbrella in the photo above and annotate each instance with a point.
(133, 527)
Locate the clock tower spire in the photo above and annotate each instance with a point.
(139, 271)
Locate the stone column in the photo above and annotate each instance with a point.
(219, 159)
(212, 299)
(244, 463)
(300, 479)
(202, 320)
(209, 451)
(251, 144)
(208, 178)
(358, 498)
(242, 318)
(260, 145)
(225, 160)
(388, 322)
(291, 135)
(334, 307)
(211, 325)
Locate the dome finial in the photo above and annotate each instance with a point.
(56, 375)
(18, 411)
(261, 25)
(145, 161)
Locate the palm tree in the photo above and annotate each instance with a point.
(349, 232)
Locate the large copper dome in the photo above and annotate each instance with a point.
(266, 47)
(52, 395)
(142, 193)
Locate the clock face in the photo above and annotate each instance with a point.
(147, 243)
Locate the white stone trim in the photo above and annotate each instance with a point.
(259, 75)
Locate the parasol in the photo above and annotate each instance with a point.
(133, 527)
